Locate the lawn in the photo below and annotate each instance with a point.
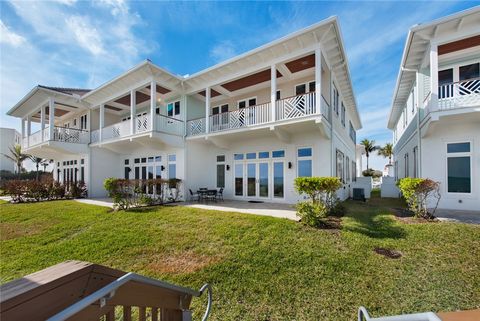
(261, 268)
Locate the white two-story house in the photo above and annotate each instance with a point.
(250, 125)
(435, 114)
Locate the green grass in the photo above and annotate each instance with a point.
(261, 268)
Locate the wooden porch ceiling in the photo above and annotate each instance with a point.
(301, 63)
(459, 45)
(213, 93)
(140, 97)
(250, 80)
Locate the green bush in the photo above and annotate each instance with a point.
(311, 213)
(322, 196)
(44, 189)
(417, 193)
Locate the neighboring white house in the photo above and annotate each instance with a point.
(250, 124)
(9, 137)
(435, 115)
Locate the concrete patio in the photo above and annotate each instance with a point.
(471, 217)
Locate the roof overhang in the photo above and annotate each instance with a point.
(416, 47)
(39, 96)
(137, 77)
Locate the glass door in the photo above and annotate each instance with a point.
(278, 178)
(263, 179)
(251, 179)
(239, 179)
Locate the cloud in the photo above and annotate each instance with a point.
(86, 35)
(222, 51)
(10, 37)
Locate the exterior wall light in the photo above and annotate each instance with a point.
(289, 165)
(228, 167)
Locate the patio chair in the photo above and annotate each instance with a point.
(220, 194)
(194, 197)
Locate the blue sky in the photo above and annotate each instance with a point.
(85, 43)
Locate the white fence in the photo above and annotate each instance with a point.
(389, 188)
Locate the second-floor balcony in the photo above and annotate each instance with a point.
(290, 108)
(59, 134)
(460, 94)
(143, 124)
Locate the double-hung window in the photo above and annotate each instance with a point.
(459, 167)
(304, 162)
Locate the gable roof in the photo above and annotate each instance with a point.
(69, 91)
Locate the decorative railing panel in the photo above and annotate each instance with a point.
(169, 125)
(143, 123)
(95, 136)
(196, 127)
(116, 130)
(465, 93)
(71, 135)
(244, 117)
(296, 106)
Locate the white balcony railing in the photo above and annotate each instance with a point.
(60, 134)
(243, 117)
(169, 125)
(196, 126)
(465, 93)
(163, 124)
(296, 106)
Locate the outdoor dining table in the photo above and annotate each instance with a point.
(202, 193)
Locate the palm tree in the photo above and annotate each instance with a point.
(17, 157)
(387, 151)
(37, 161)
(45, 163)
(369, 147)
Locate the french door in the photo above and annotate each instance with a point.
(257, 179)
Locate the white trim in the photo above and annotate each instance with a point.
(460, 154)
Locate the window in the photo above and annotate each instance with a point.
(339, 168)
(445, 86)
(353, 133)
(74, 122)
(220, 109)
(251, 155)
(308, 87)
(469, 72)
(247, 102)
(343, 115)
(354, 171)
(278, 153)
(173, 108)
(336, 99)
(459, 168)
(304, 162)
(172, 166)
(83, 122)
(221, 171)
(347, 169)
(278, 179)
(415, 160)
(278, 96)
(263, 155)
(238, 179)
(406, 164)
(238, 156)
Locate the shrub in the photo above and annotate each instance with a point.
(43, 190)
(127, 193)
(418, 192)
(322, 196)
(311, 213)
(372, 173)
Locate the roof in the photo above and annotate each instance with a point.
(416, 46)
(69, 91)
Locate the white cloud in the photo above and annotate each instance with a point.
(10, 37)
(223, 51)
(86, 35)
(66, 2)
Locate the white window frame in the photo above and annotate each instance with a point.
(224, 170)
(307, 87)
(463, 154)
(246, 102)
(169, 162)
(298, 158)
(173, 102)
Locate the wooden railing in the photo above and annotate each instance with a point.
(75, 290)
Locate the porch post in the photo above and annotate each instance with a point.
(153, 104)
(42, 121)
(207, 109)
(23, 129)
(29, 128)
(51, 118)
(102, 122)
(273, 90)
(433, 76)
(318, 80)
(133, 111)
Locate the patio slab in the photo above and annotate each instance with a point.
(107, 202)
(471, 217)
(266, 209)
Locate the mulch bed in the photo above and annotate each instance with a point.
(405, 216)
(333, 223)
(391, 254)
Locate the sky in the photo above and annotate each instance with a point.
(69, 43)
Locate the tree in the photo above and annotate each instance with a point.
(45, 163)
(387, 152)
(369, 147)
(37, 161)
(17, 157)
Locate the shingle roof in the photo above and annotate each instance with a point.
(69, 91)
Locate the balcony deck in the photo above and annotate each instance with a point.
(290, 108)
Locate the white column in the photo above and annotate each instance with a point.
(153, 104)
(133, 111)
(207, 109)
(273, 90)
(23, 128)
(101, 122)
(29, 129)
(433, 76)
(42, 121)
(318, 80)
(89, 117)
(51, 118)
